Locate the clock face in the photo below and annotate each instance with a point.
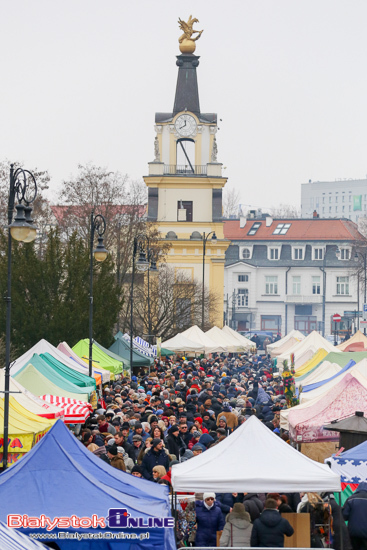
(185, 125)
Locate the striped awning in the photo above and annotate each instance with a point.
(75, 411)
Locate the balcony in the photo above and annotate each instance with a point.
(184, 170)
(303, 299)
(211, 170)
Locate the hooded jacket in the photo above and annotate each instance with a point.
(355, 511)
(208, 522)
(237, 530)
(253, 505)
(269, 530)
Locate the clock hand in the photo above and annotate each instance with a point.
(183, 125)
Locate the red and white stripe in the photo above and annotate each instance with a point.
(75, 411)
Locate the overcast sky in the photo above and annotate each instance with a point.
(82, 80)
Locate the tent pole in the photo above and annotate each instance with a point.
(340, 521)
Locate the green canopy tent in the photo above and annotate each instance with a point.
(40, 379)
(122, 348)
(75, 377)
(99, 356)
(117, 357)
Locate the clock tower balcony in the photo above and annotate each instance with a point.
(211, 169)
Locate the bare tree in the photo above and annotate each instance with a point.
(285, 211)
(231, 201)
(175, 304)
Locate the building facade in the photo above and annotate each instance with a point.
(335, 199)
(185, 185)
(291, 274)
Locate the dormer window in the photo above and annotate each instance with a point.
(318, 253)
(344, 254)
(274, 252)
(298, 253)
(246, 253)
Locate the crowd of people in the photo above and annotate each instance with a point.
(147, 424)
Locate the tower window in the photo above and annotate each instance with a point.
(184, 211)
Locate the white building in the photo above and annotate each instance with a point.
(335, 199)
(291, 274)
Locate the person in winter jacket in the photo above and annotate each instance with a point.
(253, 505)
(209, 520)
(237, 530)
(226, 502)
(175, 444)
(355, 512)
(269, 529)
(154, 457)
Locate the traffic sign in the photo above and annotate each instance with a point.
(364, 311)
(337, 318)
(354, 313)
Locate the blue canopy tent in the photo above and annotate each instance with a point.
(62, 478)
(11, 539)
(311, 387)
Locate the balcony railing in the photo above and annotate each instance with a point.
(184, 170)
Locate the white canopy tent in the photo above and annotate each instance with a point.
(241, 339)
(226, 340)
(296, 334)
(197, 335)
(255, 460)
(180, 344)
(303, 351)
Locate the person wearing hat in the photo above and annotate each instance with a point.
(209, 520)
(136, 471)
(137, 443)
(154, 457)
(174, 442)
(137, 430)
(222, 423)
(269, 529)
(231, 418)
(115, 460)
(197, 449)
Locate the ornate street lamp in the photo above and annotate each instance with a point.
(23, 187)
(145, 262)
(97, 225)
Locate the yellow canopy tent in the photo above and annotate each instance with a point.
(311, 363)
(25, 429)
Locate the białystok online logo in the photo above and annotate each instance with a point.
(118, 518)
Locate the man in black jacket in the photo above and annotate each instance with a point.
(174, 442)
(269, 529)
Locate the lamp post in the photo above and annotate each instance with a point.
(205, 239)
(154, 271)
(142, 265)
(97, 224)
(364, 256)
(23, 187)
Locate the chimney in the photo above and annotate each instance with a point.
(268, 221)
(315, 214)
(242, 221)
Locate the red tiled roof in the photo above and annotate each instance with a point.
(300, 230)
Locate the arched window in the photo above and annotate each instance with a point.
(185, 156)
(246, 253)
